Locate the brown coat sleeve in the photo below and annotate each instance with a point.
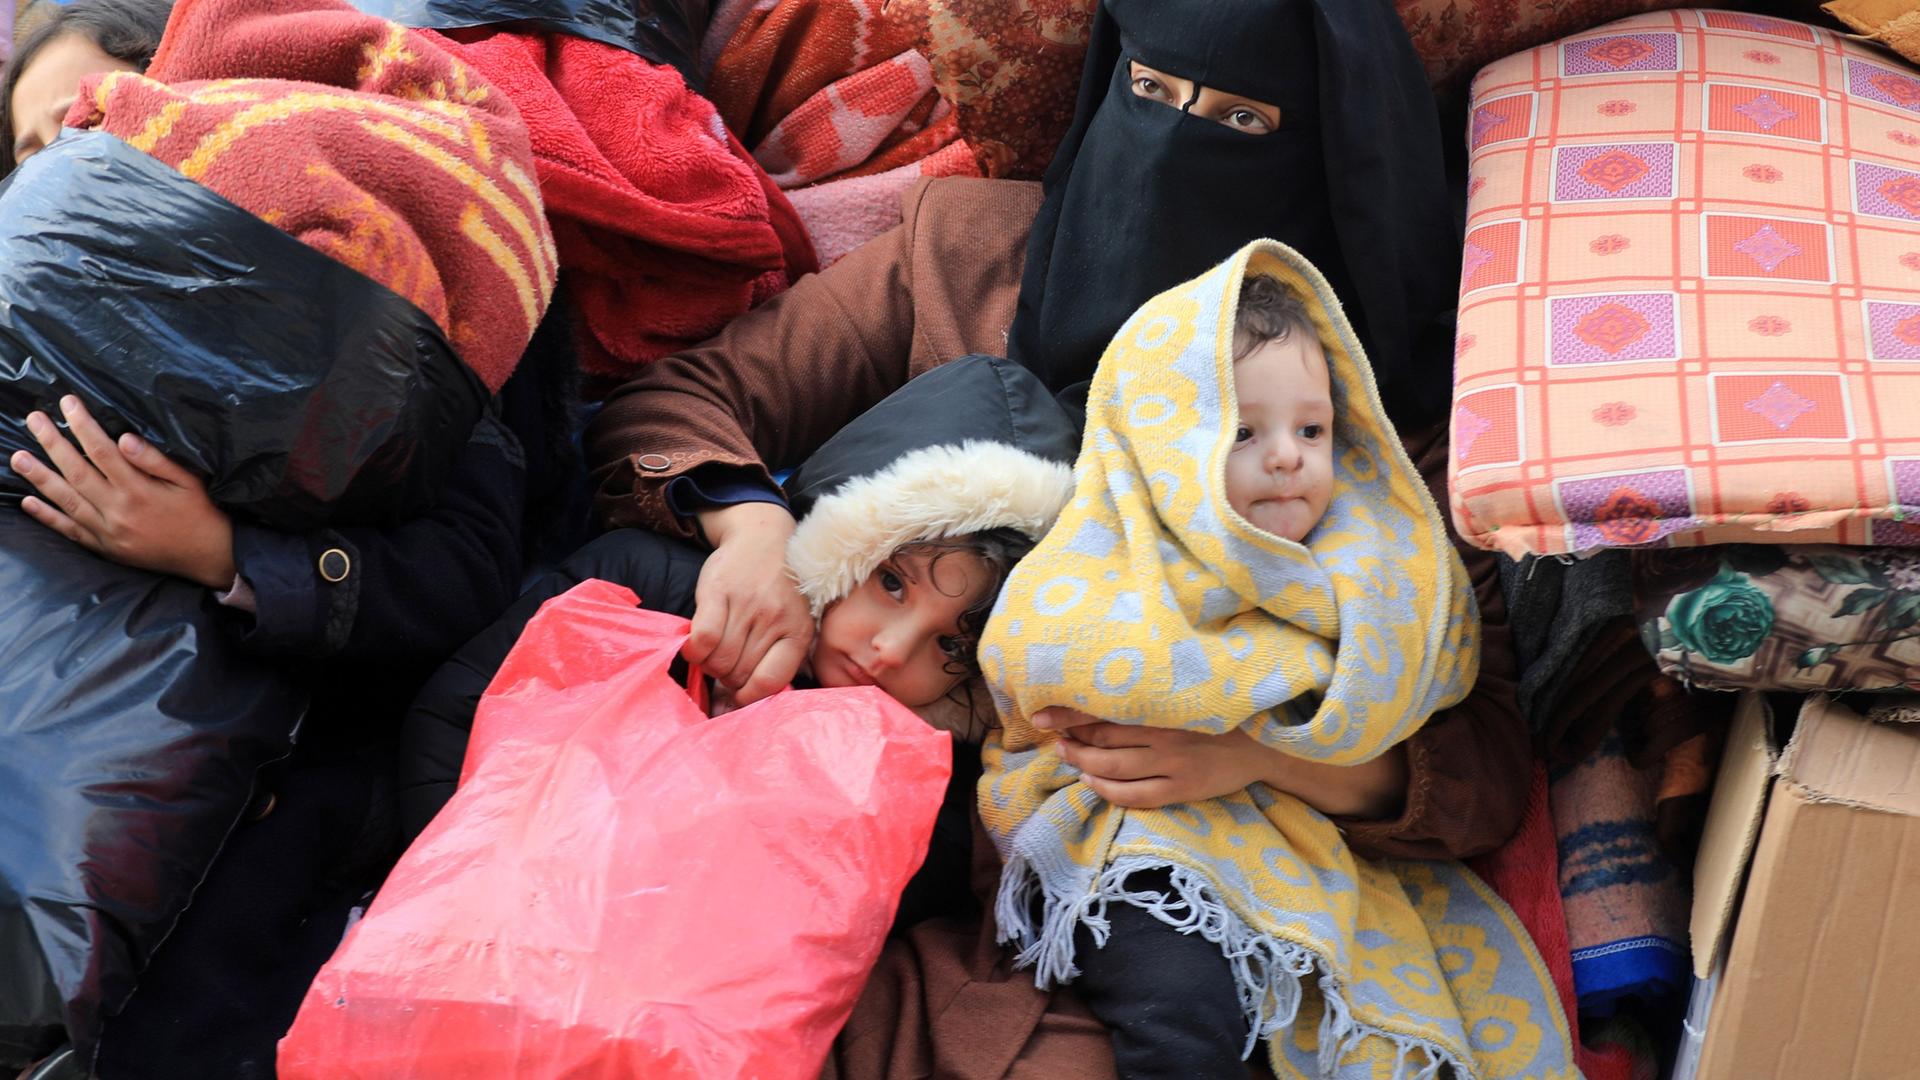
(773, 386)
(783, 378)
(1468, 767)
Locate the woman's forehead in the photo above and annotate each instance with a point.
(1264, 49)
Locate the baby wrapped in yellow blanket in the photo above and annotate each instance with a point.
(1286, 573)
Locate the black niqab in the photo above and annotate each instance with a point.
(1141, 197)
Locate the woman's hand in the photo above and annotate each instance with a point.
(751, 627)
(1146, 768)
(125, 502)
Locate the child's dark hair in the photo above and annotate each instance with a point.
(1268, 311)
(127, 30)
(1001, 549)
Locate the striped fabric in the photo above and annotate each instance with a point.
(361, 139)
(1625, 903)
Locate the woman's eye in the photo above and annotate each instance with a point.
(1248, 120)
(952, 646)
(891, 582)
(1148, 86)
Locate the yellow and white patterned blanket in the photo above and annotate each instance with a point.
(1153, 602)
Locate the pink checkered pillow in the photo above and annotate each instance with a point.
(1690, 305)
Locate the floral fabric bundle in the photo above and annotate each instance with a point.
(1804, 618)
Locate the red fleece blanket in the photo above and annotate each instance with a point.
(362, 140)
(666, 227)
(1526, 873)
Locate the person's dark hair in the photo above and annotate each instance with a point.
(1268, 311)
(1001, 549)
(127, 30)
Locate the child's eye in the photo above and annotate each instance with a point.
(1242, 433)
(1312, 432)
(891, 582)
(952, 646)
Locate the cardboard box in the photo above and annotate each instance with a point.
(1820, 975)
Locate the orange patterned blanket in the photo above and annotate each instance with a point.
(361, 139)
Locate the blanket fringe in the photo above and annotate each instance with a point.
(1267, 970)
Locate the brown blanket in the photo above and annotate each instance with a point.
(945, 1001)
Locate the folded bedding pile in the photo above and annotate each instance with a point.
(390, 134)
(1687, 372)
(1689, 327)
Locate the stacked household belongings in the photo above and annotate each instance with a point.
(1689, 344)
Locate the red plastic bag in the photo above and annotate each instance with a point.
(623, 887)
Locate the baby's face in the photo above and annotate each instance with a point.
(1280, 471)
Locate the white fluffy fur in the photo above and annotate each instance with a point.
(929, 494)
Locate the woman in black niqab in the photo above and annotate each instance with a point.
(1141, 196)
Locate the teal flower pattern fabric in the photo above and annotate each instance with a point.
(1803, 618)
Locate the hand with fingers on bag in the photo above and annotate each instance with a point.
(125, 501)
(751, 627)
(623, 886)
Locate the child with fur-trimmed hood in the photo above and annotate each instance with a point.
(910, 519)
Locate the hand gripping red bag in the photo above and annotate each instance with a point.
(623, 887)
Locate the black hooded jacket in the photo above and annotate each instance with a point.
(971, 445)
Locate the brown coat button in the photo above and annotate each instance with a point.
(334, 565)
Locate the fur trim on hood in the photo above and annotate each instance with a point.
(932, 493)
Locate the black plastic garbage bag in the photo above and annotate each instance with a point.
(304, 391)
(663, 31)
(131, 729)
(131, 726)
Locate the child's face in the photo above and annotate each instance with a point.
(898, 629)
(1280, 471)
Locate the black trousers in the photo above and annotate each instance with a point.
(1168, 998)
(225, 985)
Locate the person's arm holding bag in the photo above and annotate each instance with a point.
(751, 627)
